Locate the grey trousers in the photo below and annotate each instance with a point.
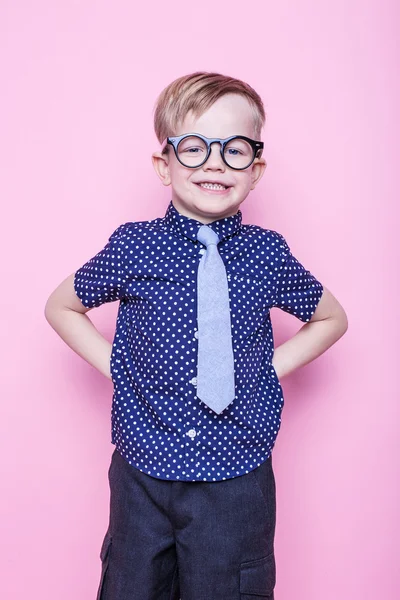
(189, 540)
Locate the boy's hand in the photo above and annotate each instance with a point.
(327, 325)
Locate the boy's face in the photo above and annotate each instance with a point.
(228, 116)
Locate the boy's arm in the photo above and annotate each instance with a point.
(66, 314)
(327, 325)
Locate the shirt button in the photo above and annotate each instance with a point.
(203, 251)
(191, 433)
(196, 334)
(193, 381)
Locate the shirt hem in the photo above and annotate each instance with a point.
(189, 480)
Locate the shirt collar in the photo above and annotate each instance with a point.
(184, 226)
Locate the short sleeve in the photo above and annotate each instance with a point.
(101, 279)
(297, 291)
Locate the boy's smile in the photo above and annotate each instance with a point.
(213, 190)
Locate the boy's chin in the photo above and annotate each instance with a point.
(217, 205)
(205, 211)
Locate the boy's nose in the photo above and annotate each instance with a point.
(214, 161)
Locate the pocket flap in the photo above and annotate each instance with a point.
(258, 577)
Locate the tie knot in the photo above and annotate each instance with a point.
(207, 236)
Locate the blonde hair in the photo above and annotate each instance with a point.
(197, 92)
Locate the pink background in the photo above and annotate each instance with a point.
(79, 81)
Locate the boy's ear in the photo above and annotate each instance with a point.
(161, 167)
(258, 170)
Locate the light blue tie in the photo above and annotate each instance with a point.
(215, 367)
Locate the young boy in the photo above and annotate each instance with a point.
(197, 397)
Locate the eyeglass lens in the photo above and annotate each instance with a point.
(193, 150)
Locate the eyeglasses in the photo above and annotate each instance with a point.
(192, 150)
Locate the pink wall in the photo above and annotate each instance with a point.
(78, 85)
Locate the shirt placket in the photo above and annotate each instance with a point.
(194, 416)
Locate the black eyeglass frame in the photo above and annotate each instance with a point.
(174, 141)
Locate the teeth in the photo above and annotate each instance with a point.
(212, 186)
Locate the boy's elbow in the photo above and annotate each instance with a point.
(343, 322)
(340, 321)
(51, 309)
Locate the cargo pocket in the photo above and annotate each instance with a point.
(105, 558)
(258, 578)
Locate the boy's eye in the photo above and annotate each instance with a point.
(192, 146)
(192, 150)
(239, 150)
(234, 151)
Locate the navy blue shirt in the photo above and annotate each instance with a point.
(159, 425)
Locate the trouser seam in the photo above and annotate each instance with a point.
(171, 597)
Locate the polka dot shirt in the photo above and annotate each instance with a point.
(159, 425)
